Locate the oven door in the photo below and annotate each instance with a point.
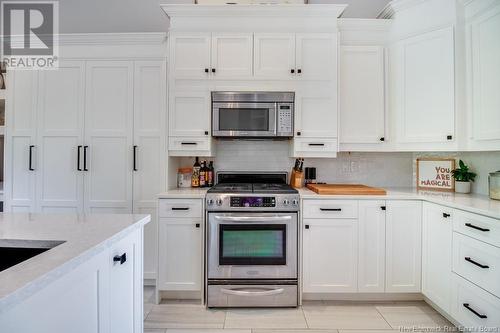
(243, 119)
(252, 245)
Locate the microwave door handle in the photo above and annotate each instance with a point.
(253, 218)
(261, 292)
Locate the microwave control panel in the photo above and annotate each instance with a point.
(285, 119)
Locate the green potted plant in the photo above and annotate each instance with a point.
(463, 178)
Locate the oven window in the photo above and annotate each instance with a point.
(244, 119)
(261, 244)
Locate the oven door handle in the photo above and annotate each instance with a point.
(253, 218)
(261, 292)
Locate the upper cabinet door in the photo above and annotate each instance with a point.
(424, 88)
(484, 77)
(362, 102)
(189, 113)
(232, 55)
(190, 55)
(274, 55)
(316, 56)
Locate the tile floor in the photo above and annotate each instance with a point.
(312, 317)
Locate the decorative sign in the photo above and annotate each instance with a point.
(435, 174)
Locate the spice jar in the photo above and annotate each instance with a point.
(184, 177)
(494, 185)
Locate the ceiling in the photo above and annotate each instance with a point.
(104, 16)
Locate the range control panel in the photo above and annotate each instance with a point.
(253, 202)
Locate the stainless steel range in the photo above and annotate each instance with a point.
(252, 252)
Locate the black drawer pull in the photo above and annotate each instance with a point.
(382, 139)
(85, 168)
(120, 259)
(180, 208)
(307, 226)
(292, 70)
(330, 209)
(197, 225)
(135, 159)
(383, 207)
(317, 144)
(299, 71)
(213, 70)
(78, 167)
(482, 316)
(299, 133)
(206, 132)
(476, 227)
(446, 215)
(206, 70)
(476, 263)
(449, 137)
(189, 143)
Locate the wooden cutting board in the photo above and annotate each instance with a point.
(346, 189)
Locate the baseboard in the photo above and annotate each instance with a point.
(362, 297)
(180, 295)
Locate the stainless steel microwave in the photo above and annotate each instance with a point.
(252, 114)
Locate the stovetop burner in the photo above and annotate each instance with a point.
(252, 183)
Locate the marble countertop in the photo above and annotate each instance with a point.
(84, 236)
(475, 203)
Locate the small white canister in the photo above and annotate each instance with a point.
(184, 177)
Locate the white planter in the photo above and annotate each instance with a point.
(462, 187)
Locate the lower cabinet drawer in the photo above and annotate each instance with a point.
(180, 208)
(473, 307)
(477, 261)
(252, 296)
(336, 209)
(189, 143)
(320, 147)
(477, 226)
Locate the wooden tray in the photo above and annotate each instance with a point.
(346, 189)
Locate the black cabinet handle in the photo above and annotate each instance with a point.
(197, 225)
(467, 306)
(121, 259)
(446, 215)
(189, 143)
(470, 225)
(206, 70)
(330, 209)
(206, 132)
(476, 263)
(213, 70)
(85, 158)
(383, 207)
(30, 159)
(317, 144)
(449, 137)
(382, 139)
(299, 71)
(180, 208)
(79, 152)
(292, 71)
(299, 133)
(307, 226)
(135, 158)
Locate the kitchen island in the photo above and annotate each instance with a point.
(87, 279)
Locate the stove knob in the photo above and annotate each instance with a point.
(218, 202)
(295, 202)
(286, 202)
(210, 202)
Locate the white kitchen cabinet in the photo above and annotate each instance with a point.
(362, 94)
(232, 55)
(108, 136)
(190, 55)
(423, 88)
(149, 149)
(316, 56)
(189, 113)
(20, 142)
(371, 256)
(437, 254)
(330, 255)
(483, 78)
(180, 254)
(403, 246)
(60, 130)
(274, 55)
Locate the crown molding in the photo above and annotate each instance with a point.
(395, 6)
(272, 10)
(354, 24)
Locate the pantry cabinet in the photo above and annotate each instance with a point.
(362, 94)
(403, 246)
(423, 89)
(436, 254)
